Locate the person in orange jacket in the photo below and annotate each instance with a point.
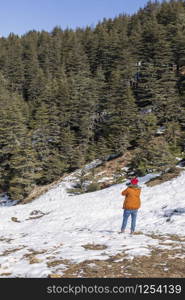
(131, 204)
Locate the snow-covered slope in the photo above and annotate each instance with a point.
(58, 226)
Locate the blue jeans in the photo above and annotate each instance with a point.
(126, 214)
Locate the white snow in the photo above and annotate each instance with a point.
(93, 164)
(56, 226)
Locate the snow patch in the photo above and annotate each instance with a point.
(70, 222)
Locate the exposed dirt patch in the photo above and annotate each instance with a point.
(110, 168)
(54, 276)
(14, 219)
(10, 251)
(31, 256)
(35, 252)
(165, 177)
(175, 237)
(157, 237)
(55, 263)
(5, 274)
(34, 260)
(160, 263)
(94, 247)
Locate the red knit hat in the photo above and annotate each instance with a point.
(134, 181)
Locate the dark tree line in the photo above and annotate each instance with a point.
(70, 96)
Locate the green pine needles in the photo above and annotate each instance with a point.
(70, 96)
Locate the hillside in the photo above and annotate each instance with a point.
(68, 97)
(63, 235)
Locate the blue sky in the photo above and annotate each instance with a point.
(20, 16)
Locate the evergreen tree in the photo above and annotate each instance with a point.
(34, 78)
(13, 65)
(121, 124)
(17, 162)
(153, 157)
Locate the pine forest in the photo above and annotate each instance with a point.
(68, 97)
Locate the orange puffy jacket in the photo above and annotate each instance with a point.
(132, 198)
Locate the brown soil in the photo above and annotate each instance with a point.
(10, 251)
(165, 177)
(94, 247)
(161, 263)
